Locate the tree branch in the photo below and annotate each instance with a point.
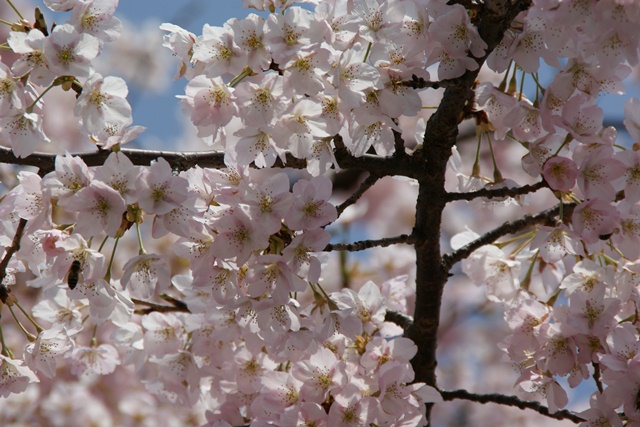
(364, 186)
(15, 247)
(497, 192)
(381, 166)
(367, 244)
(502, 399)
(159, 307)
(509, 227)
(398, 318)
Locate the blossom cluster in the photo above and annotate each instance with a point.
(302, 76)
(63, 57)
(249, 334)
(245, 345)
(576, 310)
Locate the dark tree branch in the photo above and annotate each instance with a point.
(368, 244)
(364, 186)
(151, 307)
(493, 18)
(381, 166)
(498, 192)
(502, 399)
(509, 227)
(420, 83)
(398, 318)
(15, 247)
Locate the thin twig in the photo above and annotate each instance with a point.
(509, 227)
(398, 318)
(502, 399)
(158, 307)
(15, 246)
(498, 192)
(364, 186)
(368, 244)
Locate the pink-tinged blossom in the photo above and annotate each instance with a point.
(321, 374)
(49, 348)
(549, 388)
(101, 360)
(378, 19)
(351, 77)
(288, 33)
(23, 132)
(586, 276)
(350, 409)
(556, 242)
(623, 388)
(119, 173)
(579, 118)
(590, 79)
(30, 47)
(180, 42)
(14, 376)
(60, 310)
(596, 173)
(456, 34)
(305, 414)
(448, 66)
(211, 105)
(61, 5)
(238, 235)
(257, 145)
(600, 413)
(525, 322)
(260, 98)
(159, 191)
(490, 266)
(304, 72)
(626, 236)
(298, 253)
(164, 334)
(623, 345)
(216, 48)
(501, 109)
(631, 176)
(270, 275)
(95, 17)
(381, 350)
(269, 199)
(70, 176)
(145, 275)
(69, 52)
(394, 394)
(590, 313)
(280, 390)
(310, 207)
(249, 35)
(301, 125)
(540, 151)
(103, 103)
(30, 202)
(11, 92)
(100, 208)
(178, 378)
(594, 218)
(560, 173)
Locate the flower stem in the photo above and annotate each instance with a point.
(28, 334)
(33, 322)
(14, 9)
(5, 348)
